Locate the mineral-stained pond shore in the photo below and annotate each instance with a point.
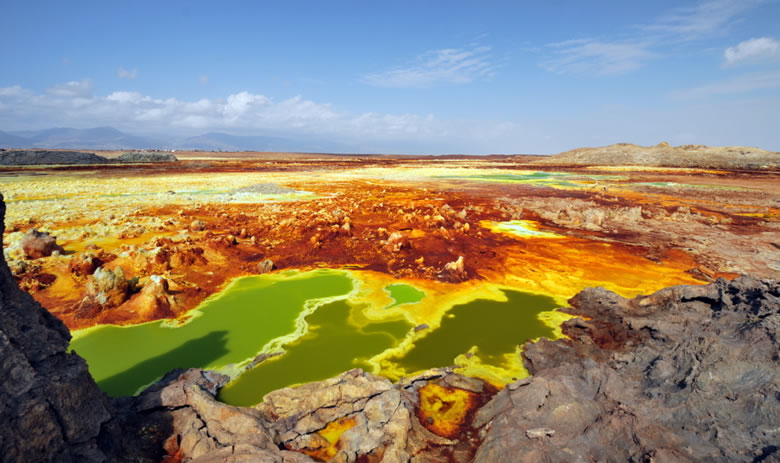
(282, 270)
(455, 262)
(309, 330)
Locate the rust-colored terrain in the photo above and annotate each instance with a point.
(126, 244)
(165, 236)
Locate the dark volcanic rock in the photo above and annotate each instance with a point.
(50, 407)
(146, 156)
(38, 157)
(689, 373)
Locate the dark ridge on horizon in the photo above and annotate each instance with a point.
(111, 139)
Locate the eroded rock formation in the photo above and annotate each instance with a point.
(689, 373)
(36, 244)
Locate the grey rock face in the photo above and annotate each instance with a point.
(50, 407)
(146, 156)
(39, 157)
(689, 373)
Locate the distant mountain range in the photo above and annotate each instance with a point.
(109, 138)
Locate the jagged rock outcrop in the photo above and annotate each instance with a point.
(155, 299)
(106, 289)
(454, 272)
(36, 244)
(84, 264)
(50, 407)
(689, 373)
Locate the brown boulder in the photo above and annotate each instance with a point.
(106, 289)
(84, 264)
(265, 266)
(36, 244)
(155, 300)
(197, 225)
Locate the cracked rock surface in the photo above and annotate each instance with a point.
(50, 407)
(689, 373)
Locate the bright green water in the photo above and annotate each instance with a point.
(496, 328)
(688, 185)
(331, 346)
(404, 294)
(551, 179)
(231, 328)
(254, 311)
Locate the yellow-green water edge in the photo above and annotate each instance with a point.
(331, 346)
(227, 329)
(317, 322)
(403, 294)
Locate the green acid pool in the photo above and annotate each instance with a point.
(331, 346)
(403, 294)
(496, 328)
(228, 329)
(317, 326)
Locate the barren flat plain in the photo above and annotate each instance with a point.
(279, 269)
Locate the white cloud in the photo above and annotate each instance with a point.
(744, 83)
(754, 50)
(450, 65)
(126, 74)
(705, 18)
(72, 89)
(592, 56)
(613, 56)
(73, 105)
(16, 90)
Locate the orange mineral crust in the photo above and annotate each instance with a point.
(150, 242)
(443, 410)
(326, 444)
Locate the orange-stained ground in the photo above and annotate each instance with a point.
(405, 217)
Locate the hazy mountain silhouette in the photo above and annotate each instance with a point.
(109, 138)
(8, 140)
(95, 138)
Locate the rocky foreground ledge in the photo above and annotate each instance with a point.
(689, 373)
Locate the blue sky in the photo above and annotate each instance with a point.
(427, 77)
